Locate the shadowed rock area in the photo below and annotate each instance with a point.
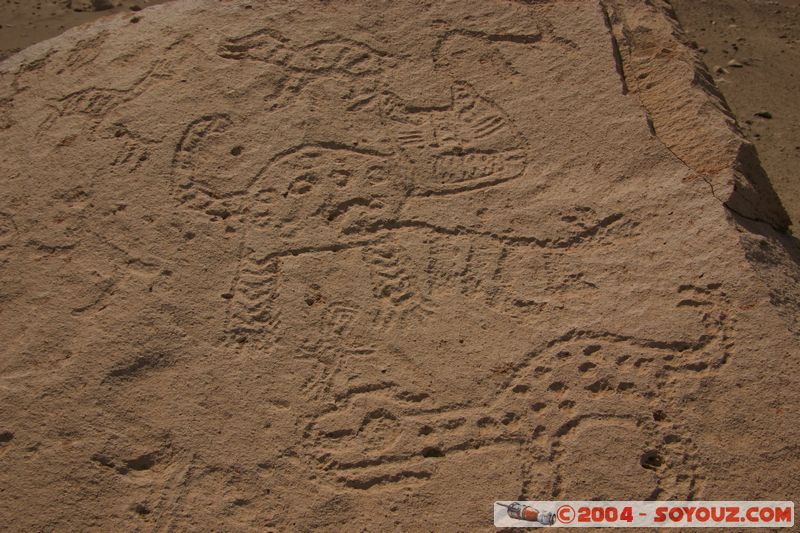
(753, 49)
(373, 258)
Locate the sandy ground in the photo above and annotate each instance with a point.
(302, 266)
(24, 22)
(753, 48)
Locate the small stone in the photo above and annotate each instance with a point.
(90, 5)
(764, 114)
(735, 64)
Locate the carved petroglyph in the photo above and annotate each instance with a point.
(323, 213)
(467, 145)
(9, 235)
(95, 103)
(300, 64)
(390, 432)
(266, 257)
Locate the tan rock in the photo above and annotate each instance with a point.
(360, 265)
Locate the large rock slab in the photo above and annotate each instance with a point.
(343, 265)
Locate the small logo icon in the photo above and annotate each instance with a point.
(565, 514)
(517, 511)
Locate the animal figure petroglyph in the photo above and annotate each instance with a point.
(338, 57)
(96, 103)
(389, 427)
(303, 210)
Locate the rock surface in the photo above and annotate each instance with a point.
(299, 265)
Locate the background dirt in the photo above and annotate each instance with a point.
(762, 36)
(24, 22)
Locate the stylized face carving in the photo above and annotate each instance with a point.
(316, 194)
(467, 145)
(216, 156)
